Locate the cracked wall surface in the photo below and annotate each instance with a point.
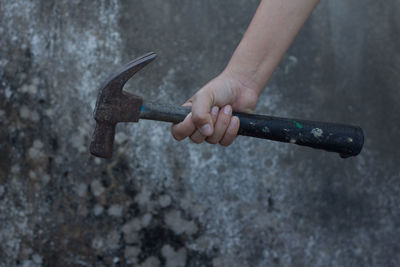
(159, 202)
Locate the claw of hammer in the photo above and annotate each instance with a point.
(114, 105)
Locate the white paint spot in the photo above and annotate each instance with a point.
(174, 258)
(49, 112)
(143, 198)
(98, 210)
(146, 219)
(265, 129)
(113, 240)
(29, 88)
(37, 259)
(45, 179)
(131, 237)
(97, 161)
(121, 138)
(317, 132)
(115, 210)
(8, 93)
(35, 152)
(164, 201)
(34, 116)
(97, 188)
(133, 225)
(15, 169)
(24, 112)
(37, 144)
(178, 224)
(27, 114)
(81, 189)
(151, 261)
(131, 254)
(3, 62)
(292, 62)
(78, 140)
(98, 243)
(32, 175)
(35, 81)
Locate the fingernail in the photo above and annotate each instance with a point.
(234, 121)
(214, 110)
(206, 129)
(188, 115)
(227, 109)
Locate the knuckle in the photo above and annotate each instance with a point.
(231, 131)
(177, 137)
(225, 121)
(199, 119)
(228, 139)
(198, 96)
(211, 141)
(224, 117)
(180, 138)
(224, 143)
(177, 133)
(174, 133)
(196, 141)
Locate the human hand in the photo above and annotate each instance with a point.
(211, 118)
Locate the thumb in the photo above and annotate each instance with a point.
(203, 101)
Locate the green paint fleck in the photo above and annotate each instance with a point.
(298, 124)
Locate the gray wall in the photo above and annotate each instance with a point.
(161, 202)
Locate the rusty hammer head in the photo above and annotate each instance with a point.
(115, 105)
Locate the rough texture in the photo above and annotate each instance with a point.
(163, 203)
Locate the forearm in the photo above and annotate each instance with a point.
(272, 30)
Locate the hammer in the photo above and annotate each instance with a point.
(115, 105)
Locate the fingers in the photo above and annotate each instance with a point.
(184, 129)
(223, 120)
(197, 136)
(226, 128)
(202, 118)
(231, 132)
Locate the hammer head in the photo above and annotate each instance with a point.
(115, 105)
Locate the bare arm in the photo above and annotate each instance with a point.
(271, 31)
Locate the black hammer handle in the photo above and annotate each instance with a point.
(344, 139)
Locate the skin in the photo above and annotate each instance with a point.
(269, 35)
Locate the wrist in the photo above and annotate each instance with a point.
(243, 75)
(253, 70)
(243, 93)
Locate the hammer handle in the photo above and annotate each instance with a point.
(344, 139)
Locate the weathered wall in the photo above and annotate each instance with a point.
(256, 203)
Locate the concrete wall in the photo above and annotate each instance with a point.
(161, 202)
